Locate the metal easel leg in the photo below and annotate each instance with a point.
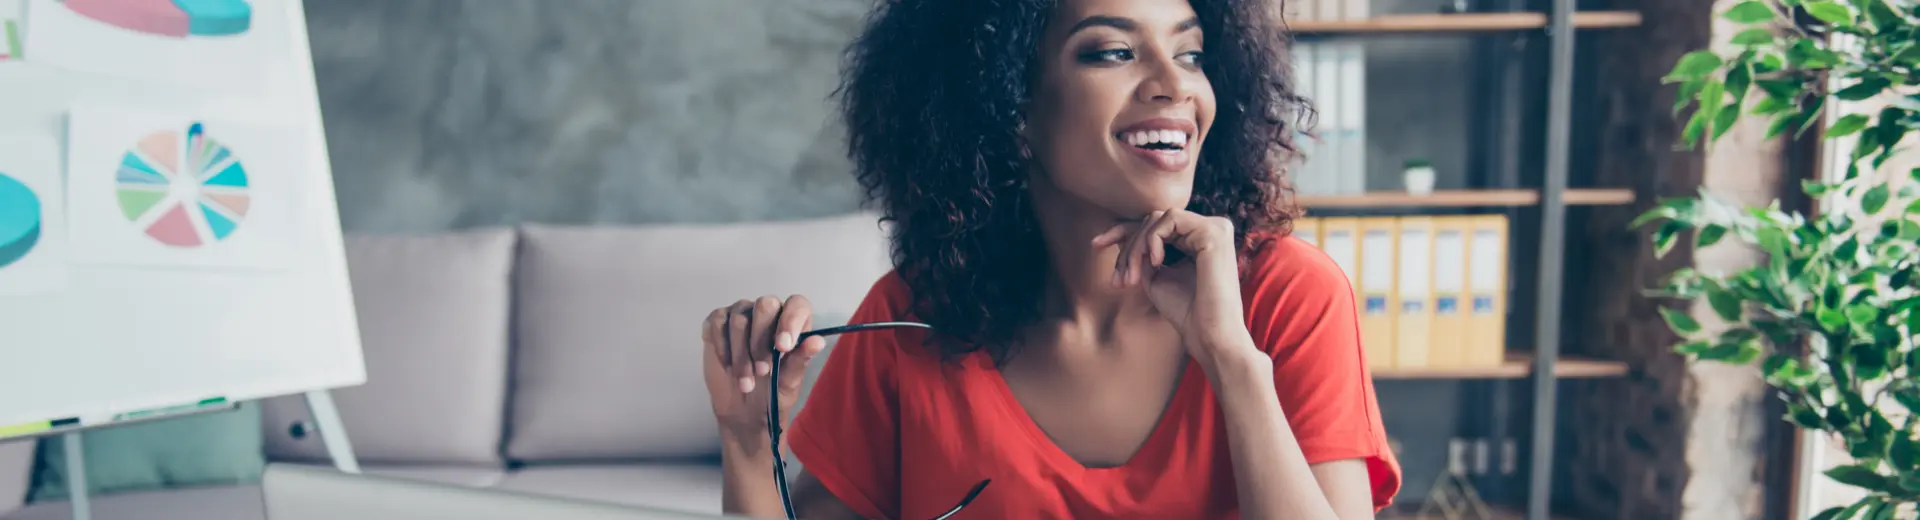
(333, 432)
(76, 476)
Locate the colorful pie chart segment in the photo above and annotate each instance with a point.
(183, 188)
(19, 220)
(171, 18)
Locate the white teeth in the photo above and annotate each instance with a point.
(1145, 137)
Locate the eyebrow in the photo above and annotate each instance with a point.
(1126, 24)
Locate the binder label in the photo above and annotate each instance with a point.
(1482, 304)
(1448, 305)
(1376, 304)
(1411, 306)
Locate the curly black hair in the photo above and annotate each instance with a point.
(932, 93)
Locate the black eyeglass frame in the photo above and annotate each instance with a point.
(773, 413)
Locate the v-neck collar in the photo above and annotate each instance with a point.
(1155, 445)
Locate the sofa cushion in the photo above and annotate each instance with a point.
(607, 324)
(692, 488)
(16, 472)
(433, 314)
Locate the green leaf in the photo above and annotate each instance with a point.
(1769, 105)
(1832, 513)
(1689, 89)
(1858, 476)
(1680, 321)
(1804, 54)
(1847, 125)
(1875, 199)
(1732, 353)
(1773, 241)
(1709, 235)
(1754, 36)
(1750, 11)
(1862, 314)
(1883, 16)
(1878, 511)
(1739, 82)
(1696, 127)
(1804, 417)
(1908, 397)
(1815, 188)
(1724, 303)
(1829, 12)
(1695, 65)
(1831, 320)
(1867, 88)
(1846, 251)
(1904, 452)
(1663, 238)
(1911, 481)
(1693, 348)
(1870, 364)
(1724, 119)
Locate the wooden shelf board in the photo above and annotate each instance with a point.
(1496, 513)
(1464, 22)
(1517, 366)
(1466, 198)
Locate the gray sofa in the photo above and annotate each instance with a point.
(547, 359)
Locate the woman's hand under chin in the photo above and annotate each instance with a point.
(1199, 292)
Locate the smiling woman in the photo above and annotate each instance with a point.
(1090, 213)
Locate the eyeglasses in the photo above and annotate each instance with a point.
(773, 414)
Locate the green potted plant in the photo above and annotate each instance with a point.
(1830, 316)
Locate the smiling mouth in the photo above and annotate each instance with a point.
(1155, 140)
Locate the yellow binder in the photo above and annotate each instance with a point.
(1379, 305)
(1307, 229)
(1487, 284)
(1448, 341)
(1414, 289)
(1340, 239)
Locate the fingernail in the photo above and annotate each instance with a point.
(762, 367)
(786, 341)
(746, 384)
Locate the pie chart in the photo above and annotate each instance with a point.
(19, 220)
(182, 188)
(171, 18)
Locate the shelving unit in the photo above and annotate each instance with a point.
(1464, 22)
(1517, 366)
(1466, 198)
(1504, 27)
(1496, 514)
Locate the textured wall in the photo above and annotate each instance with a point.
(454, 113)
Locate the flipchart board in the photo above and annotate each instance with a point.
(168, 231)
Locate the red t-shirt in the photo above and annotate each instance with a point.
(896, 434)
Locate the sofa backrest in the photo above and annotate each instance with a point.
(434, 316)
(607, 324)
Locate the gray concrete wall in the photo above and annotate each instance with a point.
(446, 114)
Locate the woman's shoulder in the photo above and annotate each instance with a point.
(889, 299)
(1278, 259)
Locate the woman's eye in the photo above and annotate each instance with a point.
(1192, 57)
(1107, 55)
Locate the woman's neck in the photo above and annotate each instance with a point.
(1080, 294)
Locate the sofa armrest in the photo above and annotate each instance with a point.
(16, 473)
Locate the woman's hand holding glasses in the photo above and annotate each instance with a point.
(740, 340)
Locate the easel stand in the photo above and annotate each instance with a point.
(319, 402)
